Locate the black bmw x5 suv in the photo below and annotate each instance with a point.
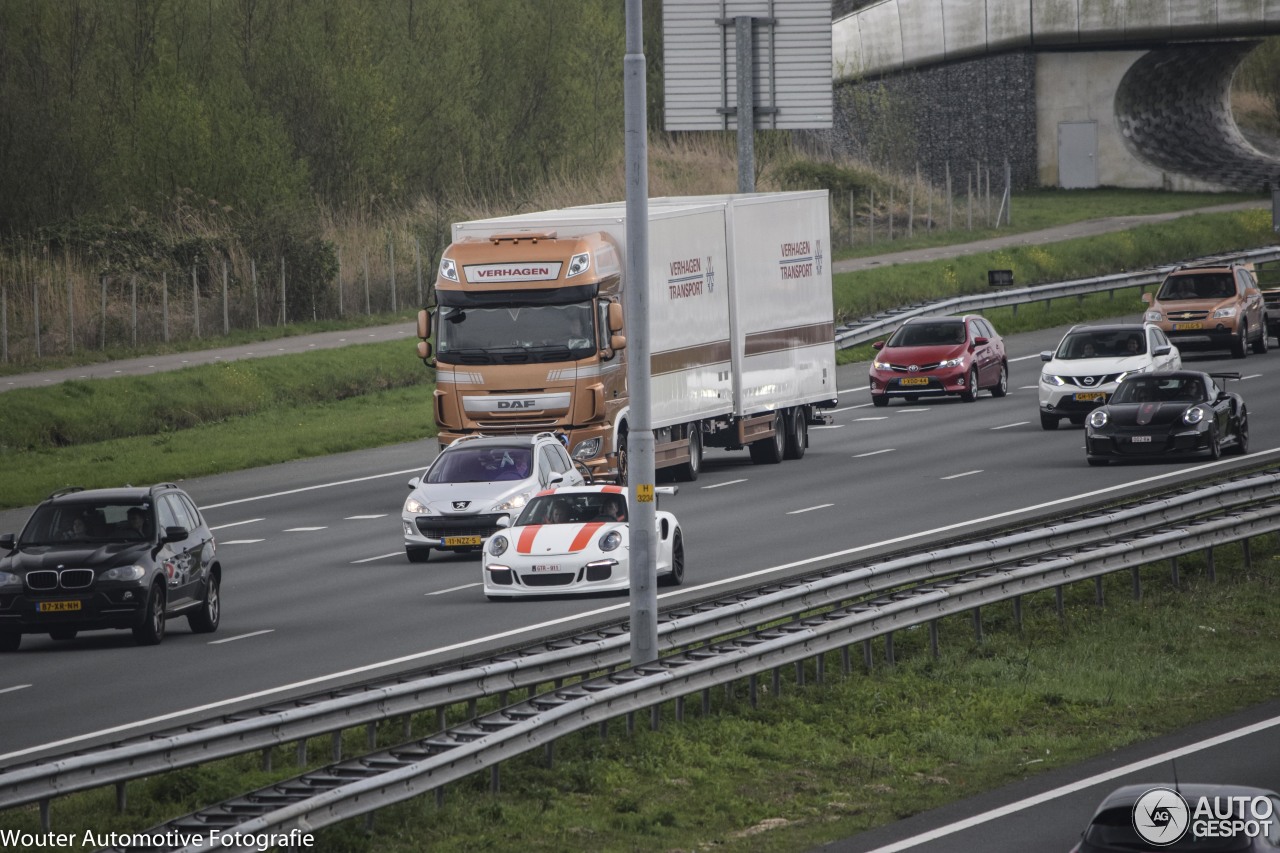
(109, 558)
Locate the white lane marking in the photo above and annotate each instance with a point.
(364, 517)
(1075, 787)
(1250, 376)
(931, 533)
(873, 453)
(237, 523)
(851, 408)
(827, 426)
(455, 588)
(302, 529)
(809, 509)
(1027, 387)
(881, 418)
(379, 557)
(958, 476)
(241, 542)
(243, 636)
(909, 411)
(1026, 357)
(14, 688)
(725, 483)
(1011, 426)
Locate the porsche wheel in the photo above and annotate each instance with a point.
(1215, 443)
(1095, 461)
(1242, 432)
(676, 575)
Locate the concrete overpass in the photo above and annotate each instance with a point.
(1075, 93)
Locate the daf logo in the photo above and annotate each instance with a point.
(1088, 380)
(517, 404)
(460, 505)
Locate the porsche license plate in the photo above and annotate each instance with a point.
(1090, 396)
(1187, 327)
(1140, 439)
(915, 380)
(460, 541)
(57, 606)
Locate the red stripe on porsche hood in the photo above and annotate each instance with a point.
(584, 536)
(612, 490)
(527, 534)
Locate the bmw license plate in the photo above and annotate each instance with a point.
(915, 380)
(1140, 439)
(1187, 327)
(1090, 396)
(57, 606)
(460, 541)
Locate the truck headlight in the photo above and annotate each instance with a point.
(578, 264)
(588, 449)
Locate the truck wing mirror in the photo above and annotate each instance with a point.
(424, 324)
(615, 318)
(424, 350)
(617, 342)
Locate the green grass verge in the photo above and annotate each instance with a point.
(824, 761)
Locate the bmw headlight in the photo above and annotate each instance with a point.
(588, 449)
(880, 365)
(1098, 418)
(124, 573)
(1153, 317)
(610, 541)
(1050, 379)
(413, 506)
(497, 545)
(952, 362)
(1224, 312)
(1193, 416)
(513, 503)
(9, 579)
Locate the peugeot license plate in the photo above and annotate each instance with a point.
(57, 606)
(915, 380)
(462, 541)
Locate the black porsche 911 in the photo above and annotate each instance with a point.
(1168, 413)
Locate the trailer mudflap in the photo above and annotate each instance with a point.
(755, 428)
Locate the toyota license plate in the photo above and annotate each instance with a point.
(1187, 327)
(915, 380)
(57, 606)
(1140, 439)
(1090, 396)
(462, 541)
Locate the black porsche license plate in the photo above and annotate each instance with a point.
(1140, 439)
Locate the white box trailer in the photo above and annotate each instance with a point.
(739, 300)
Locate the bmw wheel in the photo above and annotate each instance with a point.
(9, 641)
(206, 619)
(150, 631)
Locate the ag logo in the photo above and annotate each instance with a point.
(1161, 816)
(517, 404)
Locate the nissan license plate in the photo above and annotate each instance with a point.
(1090, 396)
(1187, 327)
(57, 606)
(1140, 439)
(915, 380)
(461, 541)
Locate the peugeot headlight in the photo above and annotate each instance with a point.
(1098, 418)
(952, 362)
(497, 545)
(588, 449)
(513, 502)
(1050, 379)
(414, 506)
(1153, 317)
(124, 573)
(1193, 416)
(610, 541)
(1224, 312)
(9, 579)
(880, 365)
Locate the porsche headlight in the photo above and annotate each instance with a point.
(1050, 379)
(610, 541)
(413, 506)
(1098, 418)
(952, 362)
(1193, 416)
(497, 545)
(124, 573)
(1224, 312)
(880, 365)
(513, 503)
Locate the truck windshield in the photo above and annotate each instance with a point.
(513, 334)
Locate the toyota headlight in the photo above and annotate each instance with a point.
(124, 573)
(952, 362)
(1098, 418)
(1224, 312)
(1153, 317)
(497, 545)
(513, 502)
(1050, 379)
(880, 365)
(610, 541)
(588, 449)
(1193, 416)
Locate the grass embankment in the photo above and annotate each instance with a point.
(823, 761)
(248, 413)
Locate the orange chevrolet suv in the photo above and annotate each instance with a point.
(1211, 307)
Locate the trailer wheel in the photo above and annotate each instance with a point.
(769, 451)
(688, 472)
(797, 433)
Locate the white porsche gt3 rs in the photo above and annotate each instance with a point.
(574, 539)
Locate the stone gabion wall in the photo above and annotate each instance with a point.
(980, 111)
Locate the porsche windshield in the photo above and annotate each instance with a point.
(1167, 389)
(1110, 343)
(514, 334)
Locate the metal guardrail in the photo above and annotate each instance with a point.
(877, 327)
(361, 786)
(599, 650)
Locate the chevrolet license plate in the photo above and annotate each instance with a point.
(1187, 327)
(1090, 396)
(57, 606)
(915, 380)
(460, 541)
